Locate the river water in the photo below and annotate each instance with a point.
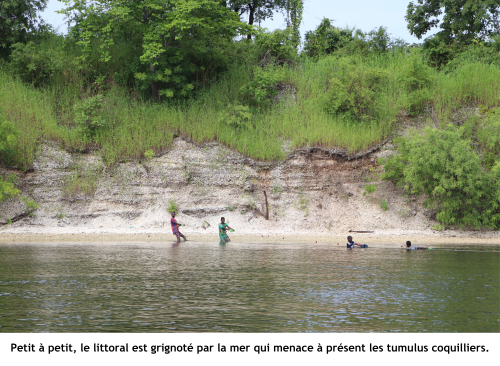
(247, 287)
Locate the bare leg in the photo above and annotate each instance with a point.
(183, 237)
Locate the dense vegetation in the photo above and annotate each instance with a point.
(131, 75)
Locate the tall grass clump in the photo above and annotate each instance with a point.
(133, 128)
(31, 113)
(469, 85)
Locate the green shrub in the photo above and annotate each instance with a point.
(415, 78)
(89, 115)
(36, 63)
(277, 46)
(383, 204)
(484, 131)
(442, 166)
(262, 85)
(276, 190)
(172, 207)
(369, 189)
(414, 74)
(488, 137)
(438, 227)
(32, 114)
(436, 52)
(326, 39)
(237, 116)
(482, 52)
(8, 136)
(31, 205)
(376, 41)
(149, 154)
(8, 188)
(417, 101)
(354, 90)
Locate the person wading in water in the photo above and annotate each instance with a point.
(175, 228)
(223, 228)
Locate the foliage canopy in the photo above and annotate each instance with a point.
(17, 19)
(260, 10)
(442, 165)
(462, 20)
(326, 39)
(174, 41)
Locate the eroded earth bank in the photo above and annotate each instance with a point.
(313, 195)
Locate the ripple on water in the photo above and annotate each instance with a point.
(200, 287)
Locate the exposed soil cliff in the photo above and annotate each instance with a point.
(313, 192)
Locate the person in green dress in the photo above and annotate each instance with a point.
(223, 228)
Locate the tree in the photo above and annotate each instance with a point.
(171, 36)
(326, 39)
(294, 10)
(442, 165)
(17, 19)
(259, 10)
(462, 20)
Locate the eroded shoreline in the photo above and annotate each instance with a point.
(308, 198)
(395, 240)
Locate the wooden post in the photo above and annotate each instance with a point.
(267, 206)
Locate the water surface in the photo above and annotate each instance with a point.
(246, 287)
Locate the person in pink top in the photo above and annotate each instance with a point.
(175, 228)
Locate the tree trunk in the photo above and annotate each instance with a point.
(251, 18)
(154, 85)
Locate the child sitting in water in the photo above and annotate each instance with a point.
(413, 247)
(351, 243)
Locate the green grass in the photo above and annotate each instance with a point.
(32, 114)
(369, 188)
(134, 127)
(471, 84)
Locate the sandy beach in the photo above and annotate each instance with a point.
(373, 239)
